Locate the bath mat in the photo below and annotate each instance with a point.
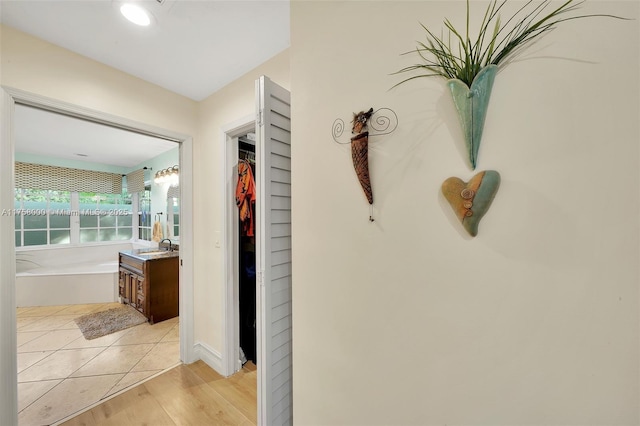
(101, 323)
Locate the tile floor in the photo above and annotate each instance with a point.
(61, 373)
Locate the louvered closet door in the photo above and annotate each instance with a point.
(273, 261)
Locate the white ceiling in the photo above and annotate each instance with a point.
(54, 135)
(192, 47)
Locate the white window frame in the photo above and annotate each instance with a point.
(98, 227)
(22, 212)
(74, 222)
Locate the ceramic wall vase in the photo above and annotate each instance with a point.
(471, 200)
(472, 103)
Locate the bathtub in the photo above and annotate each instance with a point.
(69, 275)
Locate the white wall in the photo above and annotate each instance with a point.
(32, 65)
(234, 102)
(81, 81)
(407, 320)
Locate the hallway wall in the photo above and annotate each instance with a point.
(35, 66)
(78, 80)
(81, 81)
(230, 104)
(408, 320)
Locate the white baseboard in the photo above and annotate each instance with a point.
(209, 355)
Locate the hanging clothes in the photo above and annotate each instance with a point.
(246, 198)
(247, 297)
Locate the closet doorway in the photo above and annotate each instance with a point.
(240, 341)
(245, 197)
(273, 260)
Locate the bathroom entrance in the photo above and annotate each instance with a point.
(13, 99)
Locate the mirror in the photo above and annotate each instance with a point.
(173, 214)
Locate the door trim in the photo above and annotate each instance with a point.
(230, 242)
(8, 336)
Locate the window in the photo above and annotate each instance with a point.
(42, 217)
(105, 217)
(47, 217)
(176, 217)
(144, 214)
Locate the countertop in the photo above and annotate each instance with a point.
(151, 253)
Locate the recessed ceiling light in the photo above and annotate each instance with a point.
(135, 14)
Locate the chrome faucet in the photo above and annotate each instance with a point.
(166, 239)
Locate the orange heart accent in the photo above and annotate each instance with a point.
(471, 200)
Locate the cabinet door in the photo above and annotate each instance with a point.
(125, 286)
(139, 281)
(131, 288)
(121, 284)
(140, 303)
(140, 295)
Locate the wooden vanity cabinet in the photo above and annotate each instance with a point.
(150, 285)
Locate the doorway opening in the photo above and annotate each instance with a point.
(67, 258)
(274, 260)
(12, 99)
(239, 243)
(245, 196)
(272, 125)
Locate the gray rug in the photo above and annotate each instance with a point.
(101, 323)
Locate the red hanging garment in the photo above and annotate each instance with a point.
(246, 198)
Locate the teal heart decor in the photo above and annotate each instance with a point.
(471, 200)
(472, 104)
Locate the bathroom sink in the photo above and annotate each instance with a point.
(155, 252)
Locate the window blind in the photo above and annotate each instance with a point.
(40, 176)
(135, 181)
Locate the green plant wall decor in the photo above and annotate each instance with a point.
(470, 65)
(472, 104)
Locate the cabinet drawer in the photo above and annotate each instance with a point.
(131, 263)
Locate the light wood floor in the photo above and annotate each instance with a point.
(60, 372)
(191, 394)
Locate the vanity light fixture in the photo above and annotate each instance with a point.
(169, 175)
(135, 14)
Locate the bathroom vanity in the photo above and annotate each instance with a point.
(148, 281)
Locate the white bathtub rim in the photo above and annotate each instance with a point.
(89, 268)
(71, 259)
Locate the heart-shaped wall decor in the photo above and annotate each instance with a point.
(471, 200)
